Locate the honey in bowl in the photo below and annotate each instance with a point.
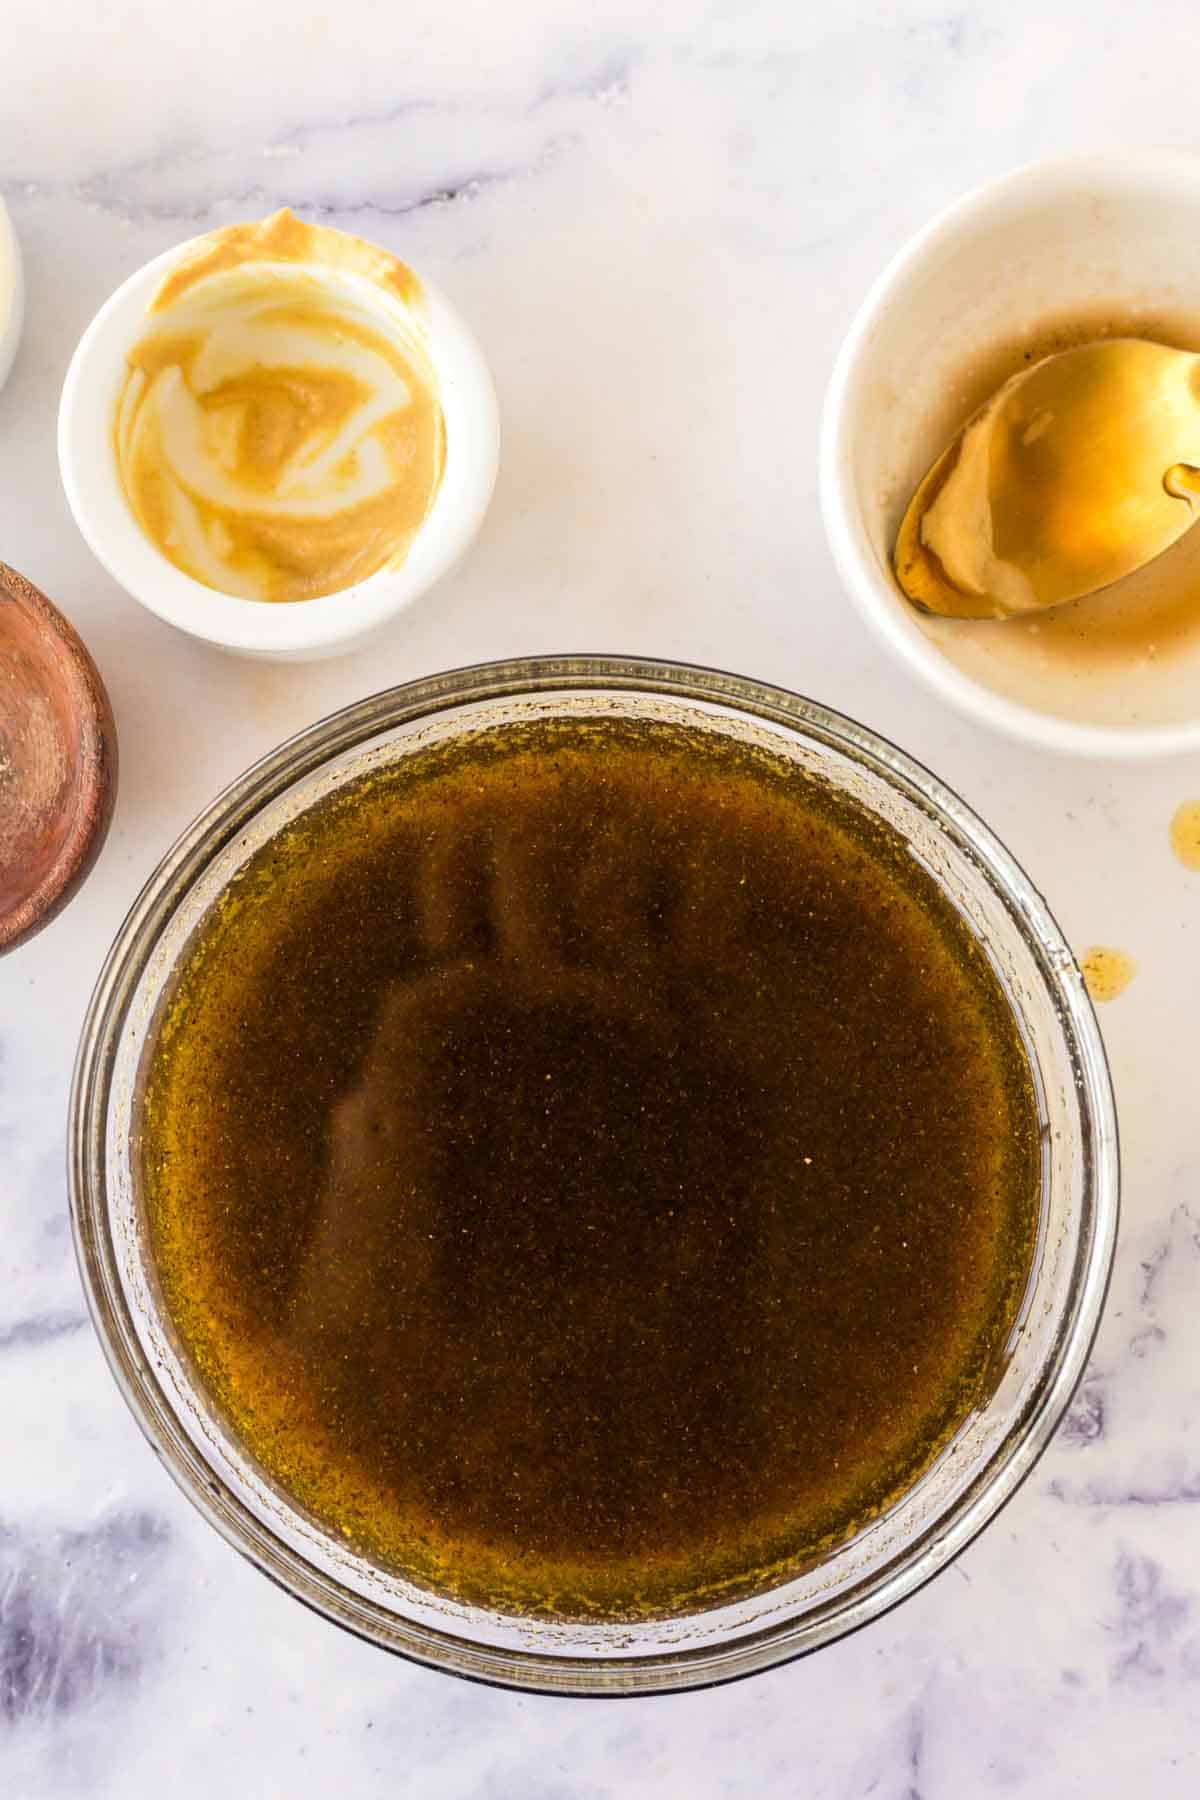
(591, 1166)
(1127, 656)
(278, 433)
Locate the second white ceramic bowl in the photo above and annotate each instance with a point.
(299, 630)
(1098, 238)
(12, 293)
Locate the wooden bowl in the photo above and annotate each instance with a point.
(58, 760)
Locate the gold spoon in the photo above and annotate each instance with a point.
(1076, 472)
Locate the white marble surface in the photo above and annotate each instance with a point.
(659, 220)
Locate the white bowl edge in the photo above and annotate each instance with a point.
(12, 293)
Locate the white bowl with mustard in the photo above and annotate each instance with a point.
(276, 437)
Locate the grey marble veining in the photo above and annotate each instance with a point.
(659, 220)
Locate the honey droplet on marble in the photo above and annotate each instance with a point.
(1106, 972)
(1185, 834)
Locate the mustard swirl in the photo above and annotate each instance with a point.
(278, 432)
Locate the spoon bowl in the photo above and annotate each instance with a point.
(1077, 471)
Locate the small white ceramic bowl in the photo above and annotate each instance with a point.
(12, 293)
(1110, 240)
(297, 630)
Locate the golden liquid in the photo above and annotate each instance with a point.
(1106, 972)
(592, 1167)
(1185, 834)
(277, 439)
(1151, 613)
(1071, 477)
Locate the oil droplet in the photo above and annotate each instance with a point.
(1106, 972)
(1185, 834)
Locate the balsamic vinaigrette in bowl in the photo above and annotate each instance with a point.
(591, 1166)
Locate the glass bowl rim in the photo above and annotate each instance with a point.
(540, 1671)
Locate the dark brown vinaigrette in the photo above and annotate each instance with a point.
(591, 1166)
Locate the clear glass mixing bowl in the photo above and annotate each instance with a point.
(995, 1447)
